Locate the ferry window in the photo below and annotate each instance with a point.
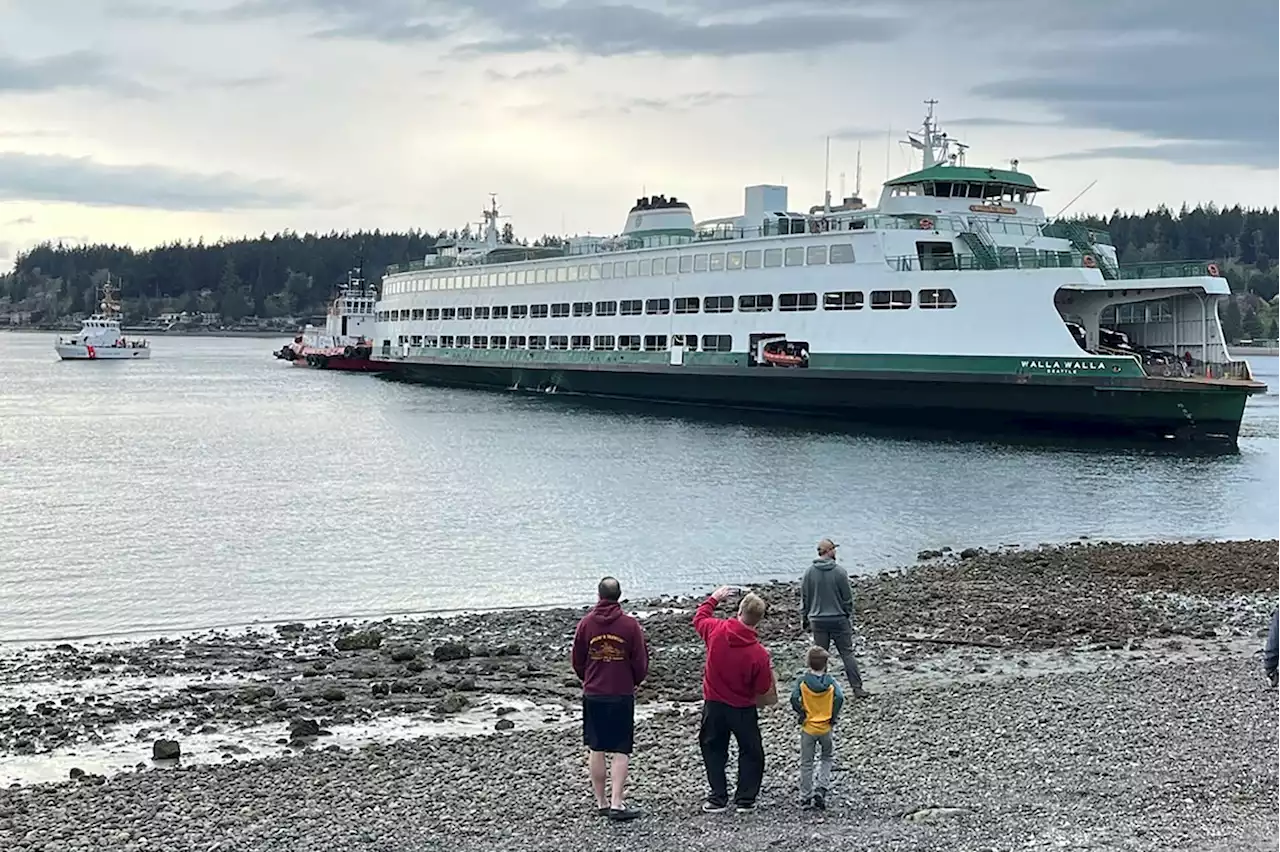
(582, 309)
(584, 272)
(672, 265)
(448, 313)
(655, 342)
(632, 268)
(629, 341)
(699, 263)
(603, 341)
(816, 255)
(499, 311)
(733, 260)
(580, 341)
(842, 253)
(562, 274)
(464, 341)
(686, 263)
(717, 262)
(560, 309)
(464, 313)
(943, 298)
(416, 340)
(798, 302)
(572, 273)
(849, 300)
(480, 342)
(482, 312)
(541, 276)
(538, 311)
(718, 304)
(631, 307)
(761, 302)
(417, 313)
(519, 311)
(431, 341)
(894, 300)
(657, 306)
(446, 342)
(687, 305)
(606, 270)
(621, 269)
(498, 341)
(595, 271)
(717, 343)
(520, 273)
(772, 258)
(518, 341)
(537, 342)
(751, 259)
(404, 315)
(606, 309)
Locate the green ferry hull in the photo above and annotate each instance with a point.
(1135, 409)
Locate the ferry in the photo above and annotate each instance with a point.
(100, 337)
(954, 301)
(343, 344)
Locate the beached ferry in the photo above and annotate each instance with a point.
(100, 337)
(954, 301)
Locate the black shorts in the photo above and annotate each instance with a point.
(609, 722)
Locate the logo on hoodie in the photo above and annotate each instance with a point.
(607, 648)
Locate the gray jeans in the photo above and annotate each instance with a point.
(808, 743)
(841, 632)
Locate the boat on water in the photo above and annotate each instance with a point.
(100, 337)
(345, 343)
(954, 301)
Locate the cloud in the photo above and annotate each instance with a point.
(984, 121)
(33, 134)
(540, 73)
(81, 180)
(1175, 71)
(859, 134)
(21, 220)
(1180, 153)
(81, 69)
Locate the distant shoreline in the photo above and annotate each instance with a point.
(163, 333)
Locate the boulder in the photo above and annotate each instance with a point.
(451, 651)
(360, 640)
(166, 750)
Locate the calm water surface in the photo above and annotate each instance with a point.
(214, 485)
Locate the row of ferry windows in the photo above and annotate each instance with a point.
(600, 342)
(672, 265)
(848, 300)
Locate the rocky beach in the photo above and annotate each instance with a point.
(1094, 696)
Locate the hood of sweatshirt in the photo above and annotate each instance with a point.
(606, 612)
(824, 564)
(818, 682)
(739, 634)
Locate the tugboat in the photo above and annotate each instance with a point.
(100, 337)
(342, 344)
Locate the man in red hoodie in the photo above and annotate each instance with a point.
(611, 659)
(736, 681)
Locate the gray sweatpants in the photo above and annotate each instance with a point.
(808, 744)
(840, 632)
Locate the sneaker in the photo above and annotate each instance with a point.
(710, 807)
(747, 808)
(820, 801)
(807, 804)
(859, 692)
(623, 814)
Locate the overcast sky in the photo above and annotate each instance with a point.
(142, 121)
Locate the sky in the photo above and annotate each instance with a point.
(148, 121)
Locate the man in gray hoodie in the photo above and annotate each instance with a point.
(826, 605)
(1271, 650)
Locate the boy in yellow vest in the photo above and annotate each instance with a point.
(817, 699)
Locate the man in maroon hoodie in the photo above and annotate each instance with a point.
(736, 681)
(611, 659)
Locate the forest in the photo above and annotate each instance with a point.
(293, 275)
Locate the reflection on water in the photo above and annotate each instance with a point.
(215, 485)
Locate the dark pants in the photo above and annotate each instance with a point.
(718, 722)
(841, 632)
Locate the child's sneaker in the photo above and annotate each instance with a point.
(820, 800)
(807, 804)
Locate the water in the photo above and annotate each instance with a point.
(215, 486)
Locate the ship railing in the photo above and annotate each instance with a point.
(1171, 269)
(1063, 230)
(1005, 258)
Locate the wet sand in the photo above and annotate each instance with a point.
(1095, 697)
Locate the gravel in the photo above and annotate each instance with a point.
(1093, 697)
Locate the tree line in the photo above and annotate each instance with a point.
(294, 275)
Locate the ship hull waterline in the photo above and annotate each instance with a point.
(71, 352)
(1138, 410)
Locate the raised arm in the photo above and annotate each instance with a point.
(704, 619)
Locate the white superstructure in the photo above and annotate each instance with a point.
(955, 264)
